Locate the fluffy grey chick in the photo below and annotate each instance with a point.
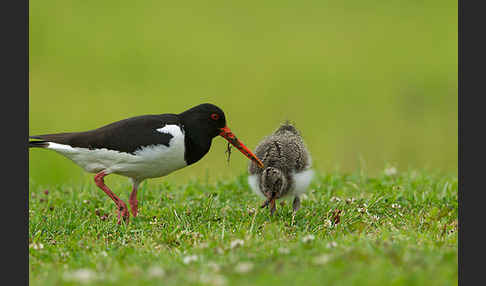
(287, 172)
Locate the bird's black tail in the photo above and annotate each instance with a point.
(38, 143)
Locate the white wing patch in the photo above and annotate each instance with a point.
(60, 147)
(173, 130)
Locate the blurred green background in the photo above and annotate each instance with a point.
(368, 83)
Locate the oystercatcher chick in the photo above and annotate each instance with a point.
(142, 147)
(287, 172)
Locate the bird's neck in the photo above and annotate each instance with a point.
(197, 145)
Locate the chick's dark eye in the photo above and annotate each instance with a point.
(214, 116)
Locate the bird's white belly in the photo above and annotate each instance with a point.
(147, 162)
(255, 186)
(302, 181)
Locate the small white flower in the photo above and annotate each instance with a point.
(154, 221)
(331, 244)
(214, 266)
(218, 280)
(395, 188)
(196, 235)
(185, 232)
(85, 201)
(80, 275)
(327, 223)
(283, 250)
(350, 200)
(103, 253)
(225, 209)
(36, 246)
(237, 243)
(335, 199)
(375, 217)
(218, 250)
(189, 259)
(203, 245)
(213, 279)
(308, 238)
(244, 267)
(361, 210)
(155, 271)
(390, 171)
(396, 206)
(322, 259)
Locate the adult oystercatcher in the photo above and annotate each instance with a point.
(143, 147)
(287, 169)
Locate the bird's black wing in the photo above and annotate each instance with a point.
(126, 135)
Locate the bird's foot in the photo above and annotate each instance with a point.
(273, 207)
(265, 203)
(271, 204)
(123, 212)
(296, 204)
(134, 207)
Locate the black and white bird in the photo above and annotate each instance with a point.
(287, 172)
(143, 147)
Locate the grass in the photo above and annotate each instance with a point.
(374, 80)
(393, 229)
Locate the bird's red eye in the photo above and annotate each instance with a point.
(214, 116)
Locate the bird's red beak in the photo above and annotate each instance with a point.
(228, 135)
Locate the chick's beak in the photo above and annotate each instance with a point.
(228, 135)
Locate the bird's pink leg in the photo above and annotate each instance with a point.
(133, 198)
(121, 205)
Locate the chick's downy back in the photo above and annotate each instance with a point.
(284, 149)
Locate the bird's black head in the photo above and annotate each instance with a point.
(206, 118)
(206, 121)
